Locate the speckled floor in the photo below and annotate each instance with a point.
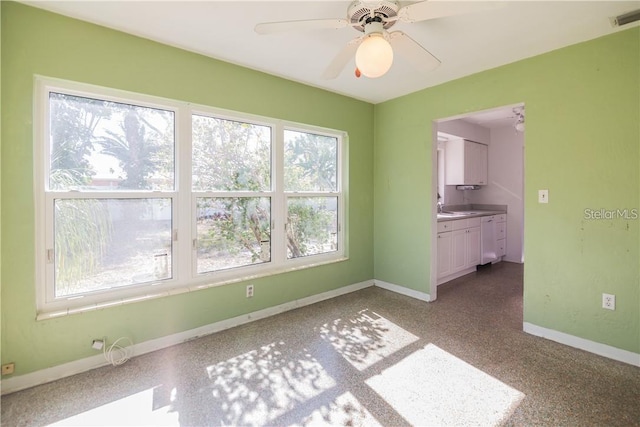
(372, 357)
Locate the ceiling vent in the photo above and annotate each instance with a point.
(626, 18)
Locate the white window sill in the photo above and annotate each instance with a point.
(129, 300)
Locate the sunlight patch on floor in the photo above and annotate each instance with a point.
(139, 409)
(366, 338)
(433, 387)
(257, 387)
(345, 410)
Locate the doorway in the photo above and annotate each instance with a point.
(502, 129)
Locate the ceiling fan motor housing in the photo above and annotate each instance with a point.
(360, 13)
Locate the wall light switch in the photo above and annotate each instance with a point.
(543, 196)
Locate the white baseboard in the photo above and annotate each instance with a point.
(42, 376)
(403, 290)
(583, 344)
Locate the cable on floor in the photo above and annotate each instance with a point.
(116, 354)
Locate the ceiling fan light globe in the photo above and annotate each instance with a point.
(374, 56)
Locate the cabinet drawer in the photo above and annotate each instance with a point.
(473, 222)
(502, 247)
(445, 226)
(459, 224)
(501, 230)
(501, 218)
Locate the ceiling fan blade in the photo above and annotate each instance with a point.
(413, 52)
(311, 24)
(340, 61)
(425, 10)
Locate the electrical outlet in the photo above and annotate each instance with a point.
(609, 301)
(97, 344)
(8, 369)
(249, 291)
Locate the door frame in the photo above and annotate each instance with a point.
(433, 279)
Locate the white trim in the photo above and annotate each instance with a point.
(179, 290)
(42, 376)
(422, 296)
(433, 223)
(583, 344)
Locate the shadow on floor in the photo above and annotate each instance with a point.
(372, 357)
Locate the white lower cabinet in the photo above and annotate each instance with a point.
(502, 248)
(501, 235)
(444, 254)
(458, 250)
(473, 246)
(458, 247)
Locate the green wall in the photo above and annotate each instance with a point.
(1, 317)
(582, 143)
(39, 42)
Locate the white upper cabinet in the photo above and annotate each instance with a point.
(465, 162)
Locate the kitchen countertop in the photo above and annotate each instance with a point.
(451, 216)
(453, 212)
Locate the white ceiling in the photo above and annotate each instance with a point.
(465, 44)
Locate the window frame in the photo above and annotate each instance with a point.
(183, 198)
(311, 194)
(231, 273)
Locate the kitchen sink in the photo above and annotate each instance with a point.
(451, 214)
(462, 212)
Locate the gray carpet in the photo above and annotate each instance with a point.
(370, 358)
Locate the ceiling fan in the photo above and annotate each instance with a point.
(515, 118)
(374, 49)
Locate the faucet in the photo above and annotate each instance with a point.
(439, 204)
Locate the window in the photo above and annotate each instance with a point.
(311, 182)
(108, 231)
(133, 203)
(232, 186)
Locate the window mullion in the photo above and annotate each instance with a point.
(68, 195)
(184, 208)
(279, 205)
(342, 184)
